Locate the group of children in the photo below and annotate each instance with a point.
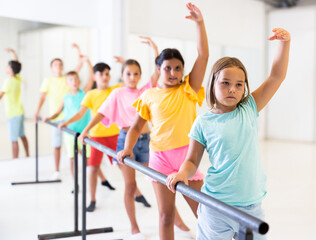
(176, 141)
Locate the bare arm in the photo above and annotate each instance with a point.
(82, 111)
(131, 138)
(81, 60)
(188, 167)
(1, 94)
(95, 120)
(56, 114)
(151, 43)
(39, 106)
(198, 71)
(89, 84)
(80, 57)
(119, 59)
(265, 92)
(15, 56)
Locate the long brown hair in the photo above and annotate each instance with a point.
(219, 65)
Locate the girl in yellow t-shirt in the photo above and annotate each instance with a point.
(171, 109)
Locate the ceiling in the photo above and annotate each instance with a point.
(281, 3)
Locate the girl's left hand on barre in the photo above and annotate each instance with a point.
(82, 136)
(61, 125)
(123, 154)
(172, 180)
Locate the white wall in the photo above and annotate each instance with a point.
(225, 24)
(104, 16)
(68, 12)
(291, 113)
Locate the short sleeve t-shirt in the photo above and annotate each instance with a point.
(56, 89)
(118, 107)
(236, 175)
(172, 112)
(93, 100)
(72, 104)
(12, 97)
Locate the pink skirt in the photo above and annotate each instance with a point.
(168, 162)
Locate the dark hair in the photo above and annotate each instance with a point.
(15, 66)
(56, 59)
(72, 73)
(219, 65)
(129, 62)
(168, 54)
(100, 67)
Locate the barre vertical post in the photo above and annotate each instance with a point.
(36, 162)
(84, 188)
(244, 233)
(36, 151)
(75, 168)
(84, 231)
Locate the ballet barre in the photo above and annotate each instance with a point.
(36, 162)
(247, 223)
(76, 231)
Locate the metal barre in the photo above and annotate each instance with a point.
(72, 132)
(76, 231)
(242, 218)
(247, 223)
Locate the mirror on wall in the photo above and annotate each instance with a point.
(36, 44)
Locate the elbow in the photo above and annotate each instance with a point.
(204, 55)
(280, 77)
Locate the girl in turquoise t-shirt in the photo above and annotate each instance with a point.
(229, 133)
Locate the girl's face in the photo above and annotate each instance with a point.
(131, 76)
(171, 72)
(102, 79)
(229, 88)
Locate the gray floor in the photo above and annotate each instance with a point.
(29, 210)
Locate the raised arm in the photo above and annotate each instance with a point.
(89, 84)
(119, 59)
(265, 92)
(188, 167)
(151, 43)
(80, 57)
(15, 56)
(131, 138)
(198, 71)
